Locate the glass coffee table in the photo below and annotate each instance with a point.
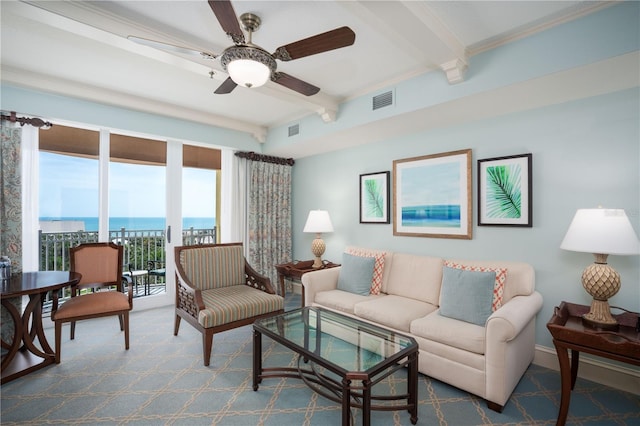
(341, 358)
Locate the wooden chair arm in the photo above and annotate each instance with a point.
(257, 280)
(188, 297)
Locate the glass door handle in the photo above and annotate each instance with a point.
(169, 234)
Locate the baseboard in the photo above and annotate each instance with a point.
(597, 370)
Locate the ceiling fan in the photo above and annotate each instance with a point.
(250, 65)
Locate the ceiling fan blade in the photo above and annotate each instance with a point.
(223, 10)
(334, 39)
(172, 48)
(226, 87)
(295, 84)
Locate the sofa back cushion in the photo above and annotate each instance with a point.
(416, 277)
(214, 266)
(520, 276)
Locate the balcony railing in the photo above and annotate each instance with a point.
(140, 246)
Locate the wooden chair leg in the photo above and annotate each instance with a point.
(121, 322)
(176, 325)
(207, 343)
(58, 339)
(125, 318)
(73, 330)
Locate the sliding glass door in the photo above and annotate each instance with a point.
(148, 195)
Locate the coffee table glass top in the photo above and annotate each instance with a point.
(347, 343)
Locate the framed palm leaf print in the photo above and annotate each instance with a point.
(505, 191)
(374, 198)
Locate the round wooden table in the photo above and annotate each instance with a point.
(29, 350)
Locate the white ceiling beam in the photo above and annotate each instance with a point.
(416, 29)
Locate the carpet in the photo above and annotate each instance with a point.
(161, 380)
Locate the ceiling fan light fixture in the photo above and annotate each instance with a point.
(248, 66)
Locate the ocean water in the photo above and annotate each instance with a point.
(444, 216)
(138, 223)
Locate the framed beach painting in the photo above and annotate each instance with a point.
(432, 195)
(374, 197)
(505, 191)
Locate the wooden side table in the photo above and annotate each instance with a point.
(29, 349)
(569, 333)
(296, 269)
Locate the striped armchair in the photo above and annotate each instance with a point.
(217, 290)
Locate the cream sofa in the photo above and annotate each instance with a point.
(487, 361)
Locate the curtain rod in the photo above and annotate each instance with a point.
(265, 158)
(36, 122)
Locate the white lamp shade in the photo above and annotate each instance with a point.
(318, 221)
(604, 231)
(248, 73)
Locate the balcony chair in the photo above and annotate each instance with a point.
(137, 276)
(217, 290)
(156, 268)
(100, 265)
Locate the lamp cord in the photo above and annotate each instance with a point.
(630, 312)
(626, 310)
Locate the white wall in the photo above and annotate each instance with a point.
(585, 154)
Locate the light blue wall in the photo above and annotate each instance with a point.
(58, 107)
(609, 33)
(585, 154)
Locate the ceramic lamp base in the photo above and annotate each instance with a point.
(602, 282)
(317, 248)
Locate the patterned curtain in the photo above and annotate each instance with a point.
(10, 212)
(269, 214)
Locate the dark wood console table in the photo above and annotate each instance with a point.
(296, 269)
(569, 333)
(23, 354)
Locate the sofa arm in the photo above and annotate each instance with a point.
(317, 281)
(510, 346)
(512, 317)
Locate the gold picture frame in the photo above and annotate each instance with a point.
(432, 196)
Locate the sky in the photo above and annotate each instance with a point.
(69, 188)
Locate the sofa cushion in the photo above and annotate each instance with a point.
(388, 260)
(378, 266)
(356, 274)
(395, 312)
(339, 300)
(451, 332)
(498, 288)
(467, 295)
(416, 277)
(227, 304)
(521, 276)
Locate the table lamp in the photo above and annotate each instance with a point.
(601, 232)
(318, 222)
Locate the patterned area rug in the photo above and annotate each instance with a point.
(161, 380)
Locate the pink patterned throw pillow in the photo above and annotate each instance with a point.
(378, 267)
(498, 288)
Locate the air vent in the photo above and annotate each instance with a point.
(294, 130)
(383, 100)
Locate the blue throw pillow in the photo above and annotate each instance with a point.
(356, 274)
(467, 295)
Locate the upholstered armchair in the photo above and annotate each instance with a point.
(217, 290)
(100, 265)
